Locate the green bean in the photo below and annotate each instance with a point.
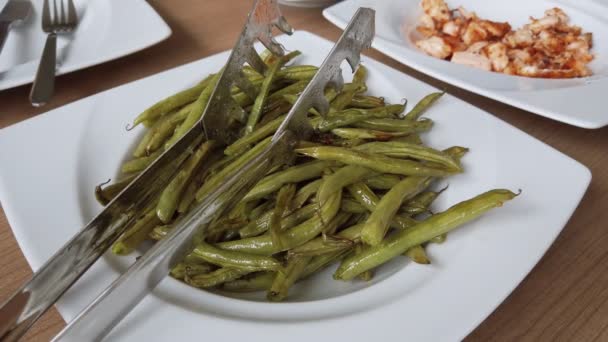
(159, 232)
(406, 150)
(215, 278)
(235, 259)
(256, 111)
(319, 262)
(420, 203)
(366, 276)
(170, 197)
(257, 282)
(295, 236)
(424, 231)
(378, 222)
(258, 211)
(396, 125)
(351, 206)
(439, 239)
(260, 133)
(362, 133)
(172, 102)
(105, 194)
(195, 112)
(281, 109)
(377, 163)
(297, 72)
(366, 101)
(410, 138)
(347, 117)
(295, 174)
(139, 164)
(292, 89)
(284, 280)
(137, 233)
(182, 269)
(217, 178)
(418, 255)
(262, 224)
(281, 208)
(422, 106)
(322, 245)
(165, 128)
(344, 176)
(364, 195)
(383, 182)
(305, 193)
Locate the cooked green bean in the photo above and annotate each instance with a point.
(439, 239)
(137, 233)
(159, 232)
(181, 270)
(281, 208)
(424, 231)
(262, 223)
(319, 262)
(406, 150)
(165, 128)
(383, 182)
(377, 163)
(295, 236)
(284, 280)
(362, 133)
(256, 282)
(295, 174)
(172, 102)
(235, 259)
(418, 255)
(420, 203)
(396, 125)
(170, 197)
(104, 194)
(347, 117)
(305, 193)
(366, 101)
(344, 176)
(195, 112)
(422, 106)
(410, 138)
(255, 136)
(258, 104)
(139, 164)
(322, 245)
(378, 222)
(215, 179)
(292, 89)
(215, 278)
(298, 72)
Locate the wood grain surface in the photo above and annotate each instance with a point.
(565, 297)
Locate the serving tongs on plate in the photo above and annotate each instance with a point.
(114, 303)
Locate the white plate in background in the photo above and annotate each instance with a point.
(107, 29)
(51, 163)
(579, 102)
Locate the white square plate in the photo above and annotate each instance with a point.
(579, 102)
(107, 29)
(51, 163)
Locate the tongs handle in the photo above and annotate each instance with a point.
(116, 301)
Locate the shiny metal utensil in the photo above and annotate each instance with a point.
(95, 321)
(13, 12)
(64, 268)
(55, 20)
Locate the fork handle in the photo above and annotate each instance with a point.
(44, 83)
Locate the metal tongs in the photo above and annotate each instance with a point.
(115, 302)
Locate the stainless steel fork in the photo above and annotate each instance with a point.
(55, 20)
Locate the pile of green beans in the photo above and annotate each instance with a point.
(359, 191)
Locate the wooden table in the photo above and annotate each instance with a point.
(565, 296)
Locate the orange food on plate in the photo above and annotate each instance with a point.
(548, 47)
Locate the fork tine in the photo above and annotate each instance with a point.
(46, 14)
(62, 14)
(55, 19)
(71, 13)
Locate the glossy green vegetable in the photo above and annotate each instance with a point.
(424, 231)
(422, 106)
(236, 260)
(284, 280)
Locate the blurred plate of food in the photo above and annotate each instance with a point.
(106, 30)
(547, 57)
